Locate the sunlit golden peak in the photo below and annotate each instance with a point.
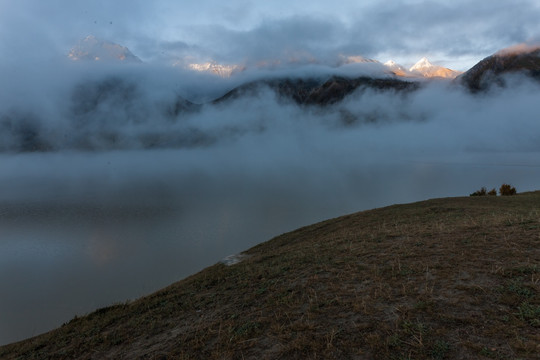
(212, 67)
(424, 68)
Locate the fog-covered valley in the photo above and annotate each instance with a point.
(118, 180)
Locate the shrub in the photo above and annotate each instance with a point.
(481, 192)
(492, 192)
(506, 189)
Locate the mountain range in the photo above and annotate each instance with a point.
(426, 69)
(490, 71)
(93, 49)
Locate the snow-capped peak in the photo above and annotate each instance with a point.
(426, 69)
(422, 64)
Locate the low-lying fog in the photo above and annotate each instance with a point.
(82, 229)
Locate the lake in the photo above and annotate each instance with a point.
(80, 231)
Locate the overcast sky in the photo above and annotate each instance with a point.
(455, 33)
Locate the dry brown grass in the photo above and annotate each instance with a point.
(440, 279)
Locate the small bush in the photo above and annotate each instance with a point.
(492, 192)
(481, 192)
(506, 190)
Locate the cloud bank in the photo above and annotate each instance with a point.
(102, 107)
(239, 31)
(126, 220)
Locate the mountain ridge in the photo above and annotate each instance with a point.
(519, 59)
(92, 48)
(317, 91)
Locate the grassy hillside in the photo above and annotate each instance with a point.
(439, 279)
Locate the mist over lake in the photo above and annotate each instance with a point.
(82, 229)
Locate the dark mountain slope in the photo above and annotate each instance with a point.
(491, 70)
(315, 91)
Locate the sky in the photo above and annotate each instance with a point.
(455, 33)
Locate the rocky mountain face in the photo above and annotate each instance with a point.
(521, 59)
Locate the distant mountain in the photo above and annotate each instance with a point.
(396, 69)
(231, 69)
(524, 59)
(316, 91)
(424, 68)
(355, 59)
(93, 49)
